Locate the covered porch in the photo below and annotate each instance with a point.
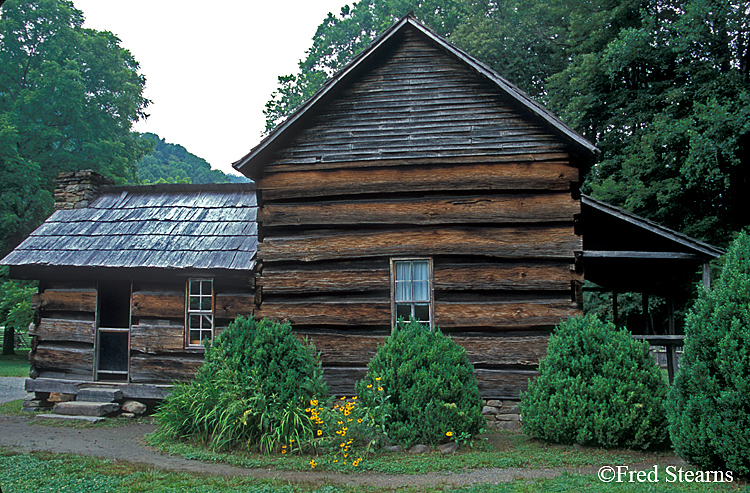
(625, 253)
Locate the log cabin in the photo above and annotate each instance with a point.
(416, 183)
(133, 279)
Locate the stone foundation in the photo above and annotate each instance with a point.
(501, 415)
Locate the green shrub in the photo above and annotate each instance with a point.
(253, 388)
(709, 406)
(596, 386)
(429, 385)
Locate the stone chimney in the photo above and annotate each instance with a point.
(76, 190)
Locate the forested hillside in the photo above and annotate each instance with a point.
(172, 163)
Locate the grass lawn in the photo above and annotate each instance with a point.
(16, 365)
(38, 473)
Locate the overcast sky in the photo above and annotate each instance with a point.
(210, 67)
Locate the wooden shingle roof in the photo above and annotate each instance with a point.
(159, 226)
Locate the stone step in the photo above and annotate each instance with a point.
(84, 408)
(99, 394)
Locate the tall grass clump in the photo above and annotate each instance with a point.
(596, 386)
(709, 405)
(253, 389)
(429, 387)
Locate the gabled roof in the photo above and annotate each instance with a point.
(343, 78)
(159, 226)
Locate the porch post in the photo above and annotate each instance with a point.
(706, 276)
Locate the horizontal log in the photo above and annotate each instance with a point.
(497, 384)
(164, 368)
(502, 276)
(65, 386)
(512, 242)
(54, 329)
(351, 313)
(231, 305)
(63, 358)
(503, 315)
(159, 304)
(498, 351)
(68, 300)
(157, 338)
(503, 384)
(279, 280)
(486, 209)
(502, 176)
(341, 348)
(341, 381)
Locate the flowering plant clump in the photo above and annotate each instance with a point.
(344, 430)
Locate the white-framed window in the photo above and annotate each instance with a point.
(200, 311)
(411, 286)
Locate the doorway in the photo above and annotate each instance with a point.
(113, 330)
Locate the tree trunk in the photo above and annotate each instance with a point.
(9, 340)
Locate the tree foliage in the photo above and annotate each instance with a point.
(709, 410)
(172, 163)
(665, 97)
(68, 99)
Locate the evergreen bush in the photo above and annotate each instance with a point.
(253, 388)
(709, 411)
(420, 386)
(596, 386)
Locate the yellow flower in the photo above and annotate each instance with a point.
(380, 389)
(359, 420)
(369, 385)
(320, 432)
(354, 398)
(343, 397)
(313, 463)
(377, 379)
(314, 402)
(283, 451)
(449, 433)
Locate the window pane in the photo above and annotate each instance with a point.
(403, 311)
(195, 287)
(206, 288)
(422, 313)
(206, 322)
(403, 291)
(421, 270)
(195, 303)
(195, 337)
(206, 303)
(195, 322)
(403, 271)
(421, 291)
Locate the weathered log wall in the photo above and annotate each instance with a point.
(64, 335)
(421, 158)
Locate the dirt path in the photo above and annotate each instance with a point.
(125, 443)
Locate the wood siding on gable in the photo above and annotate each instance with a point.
(421, 158)
(417, 103)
